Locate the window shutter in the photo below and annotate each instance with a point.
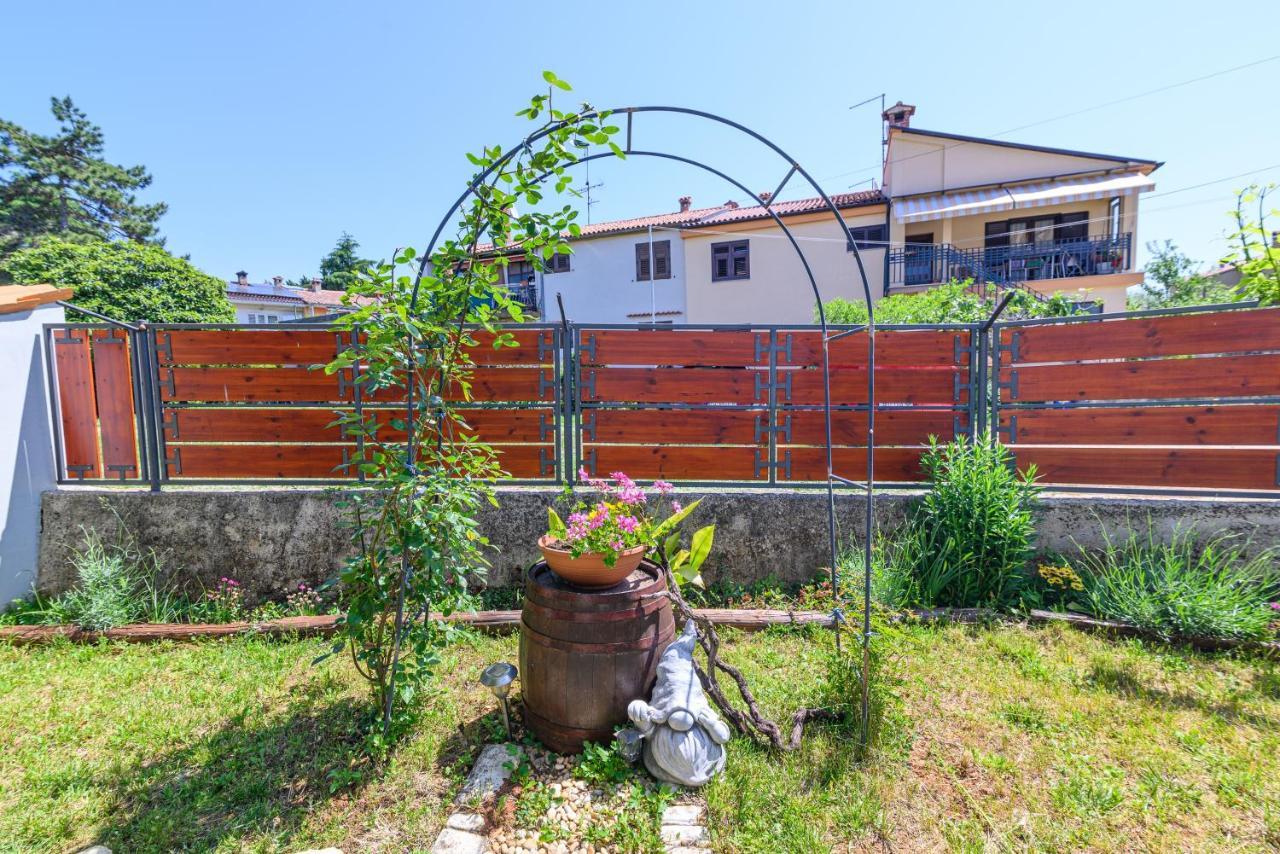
(662, 259)
(642, 262)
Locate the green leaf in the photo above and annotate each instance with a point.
(674, 519)
(700, 547)
(555, 525)
(550, 77)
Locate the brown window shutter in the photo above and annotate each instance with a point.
(642, 262)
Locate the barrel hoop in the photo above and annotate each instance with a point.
(537, 721)
(635, 612)
(639, 644)
(537, 590)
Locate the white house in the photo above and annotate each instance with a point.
(276, 302)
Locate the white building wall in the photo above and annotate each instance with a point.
(601, 285)
(26, 445)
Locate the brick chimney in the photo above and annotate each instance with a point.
(899, 115)
(242, 278)
(685, 203)
(317, 284)
(731, 205)
(765, 196)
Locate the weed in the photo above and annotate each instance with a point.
(1183, 588)
(1087, 790)
(1024, 716)
(602, 764)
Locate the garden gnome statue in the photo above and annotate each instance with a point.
(684, 737)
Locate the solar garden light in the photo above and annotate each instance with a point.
(497, 678)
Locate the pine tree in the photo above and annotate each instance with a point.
(341, 266)
(61, 186)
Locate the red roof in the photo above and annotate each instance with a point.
(273, 293)
(722, 214)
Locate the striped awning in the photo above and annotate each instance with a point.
(992, 199)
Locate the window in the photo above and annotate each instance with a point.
(730, 261)
(661, 260)
(264, 318)
(1048, 228)
(870, 236)
(1113, 218)
(558, 263)
(519, 272)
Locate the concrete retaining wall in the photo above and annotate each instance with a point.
(274, 539)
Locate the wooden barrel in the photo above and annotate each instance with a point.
(586, 654)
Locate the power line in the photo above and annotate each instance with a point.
(1081, 111)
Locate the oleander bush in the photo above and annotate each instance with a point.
(967, 542)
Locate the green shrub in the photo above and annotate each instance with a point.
(967, 542)
(955, 302)
(1183, 588)
(107, 594)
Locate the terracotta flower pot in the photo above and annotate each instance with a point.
(589, 570)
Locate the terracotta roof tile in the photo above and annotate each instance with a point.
(720, 215)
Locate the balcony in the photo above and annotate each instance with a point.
(526, 294)
(935, 263)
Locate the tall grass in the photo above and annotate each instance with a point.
(1182, 588)
(968, 541)
(117, 583)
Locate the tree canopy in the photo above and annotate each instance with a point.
(60, 186)
(342, 265)
(1172, 279)
(124, 280)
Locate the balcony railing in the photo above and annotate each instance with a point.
(934, 263)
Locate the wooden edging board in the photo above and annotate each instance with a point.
(493, 622)
(504, 622)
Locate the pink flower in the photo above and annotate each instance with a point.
(631, 494)
(629, 524)
(618, 545)
(676, 506)
(663, 487)
(583, 474)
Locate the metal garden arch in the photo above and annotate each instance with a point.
(794, 168)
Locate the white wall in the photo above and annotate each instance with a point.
(26, 445)
(601, 286)
(778, 291)
(282, 312)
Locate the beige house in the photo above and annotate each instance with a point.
(1004, 215)
(1047, 219)
(276, 302)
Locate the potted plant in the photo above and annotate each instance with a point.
(607, 535)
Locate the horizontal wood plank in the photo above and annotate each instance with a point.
(1147, 425)
(299, 424)
(925, 386)
(270, 462)
(894, 427)
(489, 385)
(893, 465)
(693, 347)
(264, 462)
(1201, 468)
(672, 426)
(247, 346)
(673, 462)
(257, 385)
(533, 347)
(894, 348)
(674, 385)
(1221, 376)
(1181, 335)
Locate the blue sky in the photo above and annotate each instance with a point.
(270, 128)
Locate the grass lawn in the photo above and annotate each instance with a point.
(1004, 738)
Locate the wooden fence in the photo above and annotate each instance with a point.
(1180, 401)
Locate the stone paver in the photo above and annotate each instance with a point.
(683, 814)
(452, 841)
(467, 821)
(491, 770)
(684, 834)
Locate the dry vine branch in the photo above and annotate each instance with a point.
(751, 723)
